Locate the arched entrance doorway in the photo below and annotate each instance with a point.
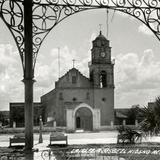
(84, 119)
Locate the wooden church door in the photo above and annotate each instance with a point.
(84, 119)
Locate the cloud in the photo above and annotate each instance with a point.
(93, 37)
(47, 68)
(145, 30)
(11, 87)
(66, 59)
(137, 78)
(122, 14)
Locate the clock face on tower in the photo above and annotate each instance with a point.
(103, 54)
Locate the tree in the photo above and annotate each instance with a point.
(132, 114)
(150, 118)
(157, 112)
(128, 135)
(2, 118)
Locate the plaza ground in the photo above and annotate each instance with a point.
(105, 137)
(73, 138)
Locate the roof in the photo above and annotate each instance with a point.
(66, 81)
(120, 115)
(101, 37)
(73, 70)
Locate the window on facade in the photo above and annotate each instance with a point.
(103, 79)
(91, 76)
(74, 79)
(60, 96)
(99, 43)
(78, 122)
(74, 99)
(67, 77)
(87, 95)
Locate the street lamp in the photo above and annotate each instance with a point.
(40, 129)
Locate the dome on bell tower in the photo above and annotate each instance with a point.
(100, 40)
(100, 36)
(101, 51)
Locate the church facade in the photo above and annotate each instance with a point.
(80, 102)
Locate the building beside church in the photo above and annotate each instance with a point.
(16, 114)
(80, 102)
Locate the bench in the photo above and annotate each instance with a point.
(58, 136)
(19, 138)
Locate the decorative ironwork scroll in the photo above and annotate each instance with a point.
(11, 13)
(54, 11)
(48, 13)
(46, 17)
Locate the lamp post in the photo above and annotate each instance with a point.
(40, 129)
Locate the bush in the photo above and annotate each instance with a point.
(128, 135)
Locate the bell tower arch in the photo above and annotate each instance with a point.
(101, 68)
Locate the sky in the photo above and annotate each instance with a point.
(134, 48)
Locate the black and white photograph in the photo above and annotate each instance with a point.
(79, 80)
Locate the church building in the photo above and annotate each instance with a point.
(80, 102)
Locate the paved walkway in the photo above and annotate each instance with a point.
(108, 137)
(82, 138)
(73, 139)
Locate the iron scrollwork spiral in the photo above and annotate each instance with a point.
(12, 14)
(140, 9)
(148, 16)
(45, 18)
(48, 13)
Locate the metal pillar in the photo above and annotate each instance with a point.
(28, 75)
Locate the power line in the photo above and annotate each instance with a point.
(59, 74)
(113, 16)
(107, 23)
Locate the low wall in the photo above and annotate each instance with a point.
(62, 129)
(35, 129)
(114, 127)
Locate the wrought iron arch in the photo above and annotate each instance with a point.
(46, 14)
(14, 21)
(137, 10)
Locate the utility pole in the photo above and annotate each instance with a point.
(28, 74)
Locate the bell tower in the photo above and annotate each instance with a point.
(101, 67)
